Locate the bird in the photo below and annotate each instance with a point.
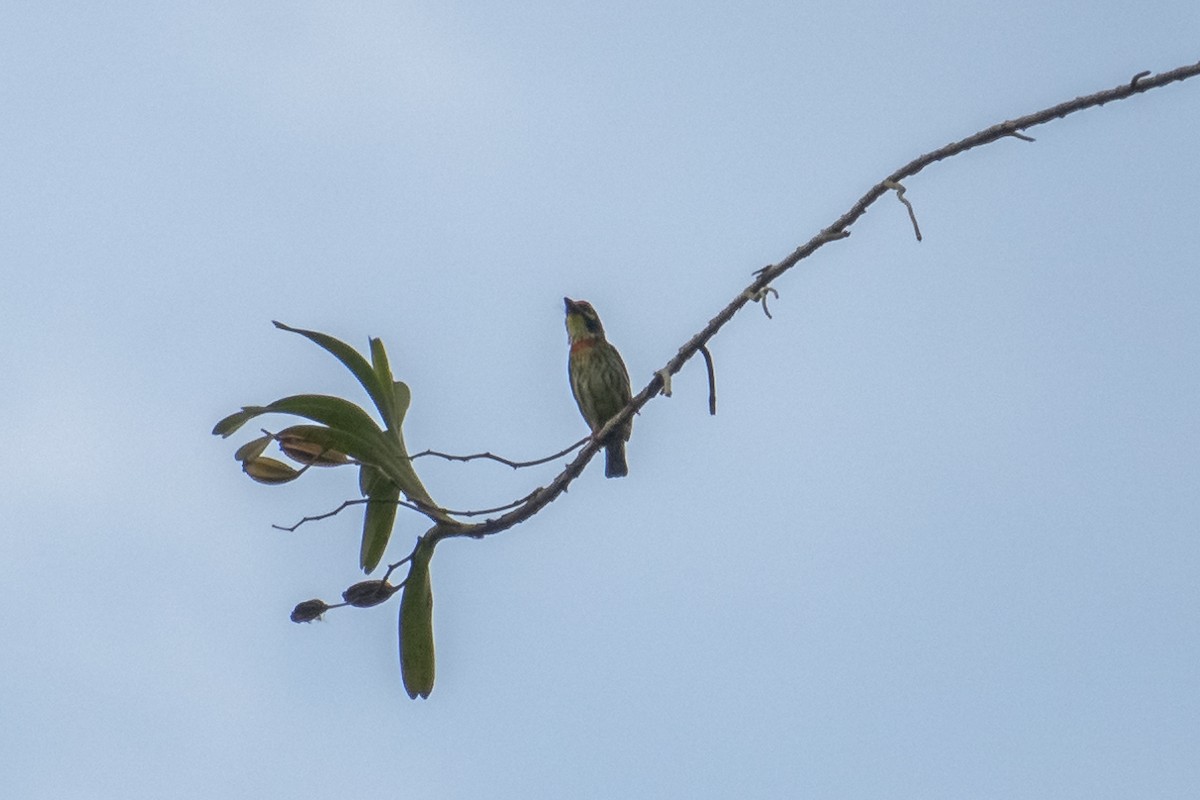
(599, 381)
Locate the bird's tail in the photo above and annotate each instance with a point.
(614, 459)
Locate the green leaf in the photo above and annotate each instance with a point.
(400, 396)
(379, 360)
(237, 419)
(327, 410)
(403, 398)
(383, 373)
(379, 517)
(402, 472)
(377, 529)
(416, 626)
(376, 387)
(351, 431)
(372, 482)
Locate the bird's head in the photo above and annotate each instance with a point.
(583, 323)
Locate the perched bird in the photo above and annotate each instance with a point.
(599, 381)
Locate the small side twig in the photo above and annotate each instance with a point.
(393, 567)
(406, 504)
(761, 297)
(501, 459)
(899, 189)
(328, 514)
(665, 377)
(712, 378)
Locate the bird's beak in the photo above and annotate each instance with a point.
(570, 304)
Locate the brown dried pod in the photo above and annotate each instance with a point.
(365, 594)
(309, 610)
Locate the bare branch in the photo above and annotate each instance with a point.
(763, 277)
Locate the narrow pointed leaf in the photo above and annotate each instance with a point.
(417, 661)
(328, 410)
(352, 431)
(229, 425)
(379, 361)
(403, 397)
(353, 361)
(383, 373)
(377, 529)
(372, 482)
(335, 412)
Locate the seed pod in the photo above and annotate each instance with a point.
(252, 449)
(271, 471)
(365, 594)
(309, 444)
(309, 610)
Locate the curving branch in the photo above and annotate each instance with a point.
(760, 286)
(417, 659)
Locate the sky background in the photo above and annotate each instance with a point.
(940, 541)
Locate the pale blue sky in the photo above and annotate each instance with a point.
(941, 540)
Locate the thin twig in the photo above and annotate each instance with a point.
(393, 567)
(326, 515)
(448, 456)
(912, 215)
(493, 457)
(406, 504)
(712, 378)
